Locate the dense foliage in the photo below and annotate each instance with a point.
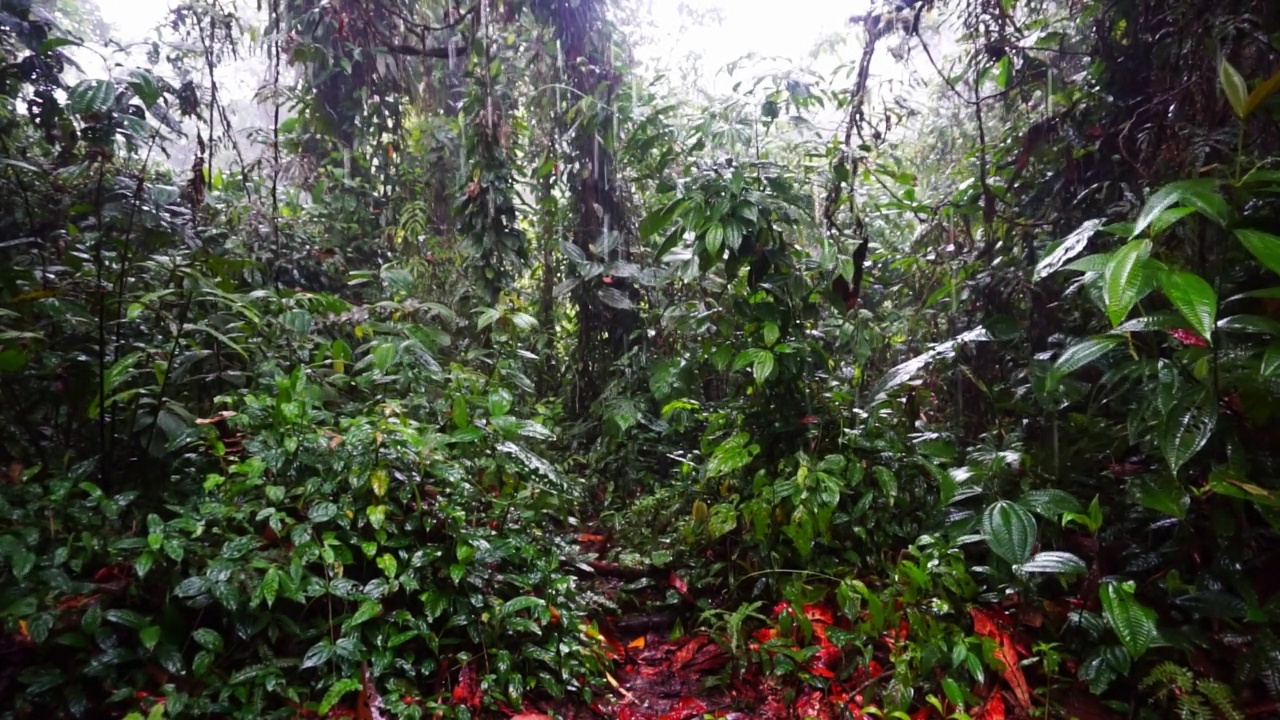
(495, 345)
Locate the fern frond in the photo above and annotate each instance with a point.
(1165, 677)
(1193, 707)
(1220, 695)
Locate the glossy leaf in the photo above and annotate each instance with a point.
(1263, 245)
(1010, 530)
(1069, 247)
(1083, 353)
(1184, 433)
(1051, 502)
(1122, 280)
(1201, 194)
(1255, 324)
(1054, 562)
(1132, 622)
(1194, 298)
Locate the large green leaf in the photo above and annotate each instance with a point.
(1194, 298)
(1200, 193)
(92, 97)
(1256, 324)
(1133, 622)
(1122, 280)
(1184, 432)
(1263, 245)
(1054, 562)
(1083, 353)
(1070, 246)
(1010, 530)
(1051, 502)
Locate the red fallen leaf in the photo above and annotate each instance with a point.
(922, 714)
(991, 624)
(814, 705)
(467, 691)
(687, 651)
(823, 663)
(626, 712)
(710, 657)
(993, 710)
(765, 634)
(369, 705)
(678, 583)
(687, 708)
(590, 538)
(818, 612)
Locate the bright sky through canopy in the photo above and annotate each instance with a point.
(766, 27)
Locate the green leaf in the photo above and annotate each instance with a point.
(1096, 262)
(150, 636)
(1070, 246)
(500, 401)
(1133, 622)
(1263, 245)
(1194, 298)
(1270, 365)
(145, 87)
(524, 602)
(91, 97)
(1083, 353)
(319, 654)
(1010, 530)
(1054, 562)
(270, 587)
(1234, 87)
(763, 366)
(144, 563)
(369, 609)
(388, 565)
(1249, 324)
(299, 321)
(208, 638)
(128, 618)
(335, 693)
(659, 219)
(1051, 503)
(770, 333)
(1183, 434)
(1122, 280)
(1200, 193)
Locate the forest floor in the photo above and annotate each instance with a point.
(661, 673)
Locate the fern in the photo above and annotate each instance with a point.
(1219, 694)
(413, 221)
(1193, 707)
(1196, 699)
(1165, 677)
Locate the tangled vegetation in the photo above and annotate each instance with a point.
(493, 373)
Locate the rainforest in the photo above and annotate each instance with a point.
(532, 359)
